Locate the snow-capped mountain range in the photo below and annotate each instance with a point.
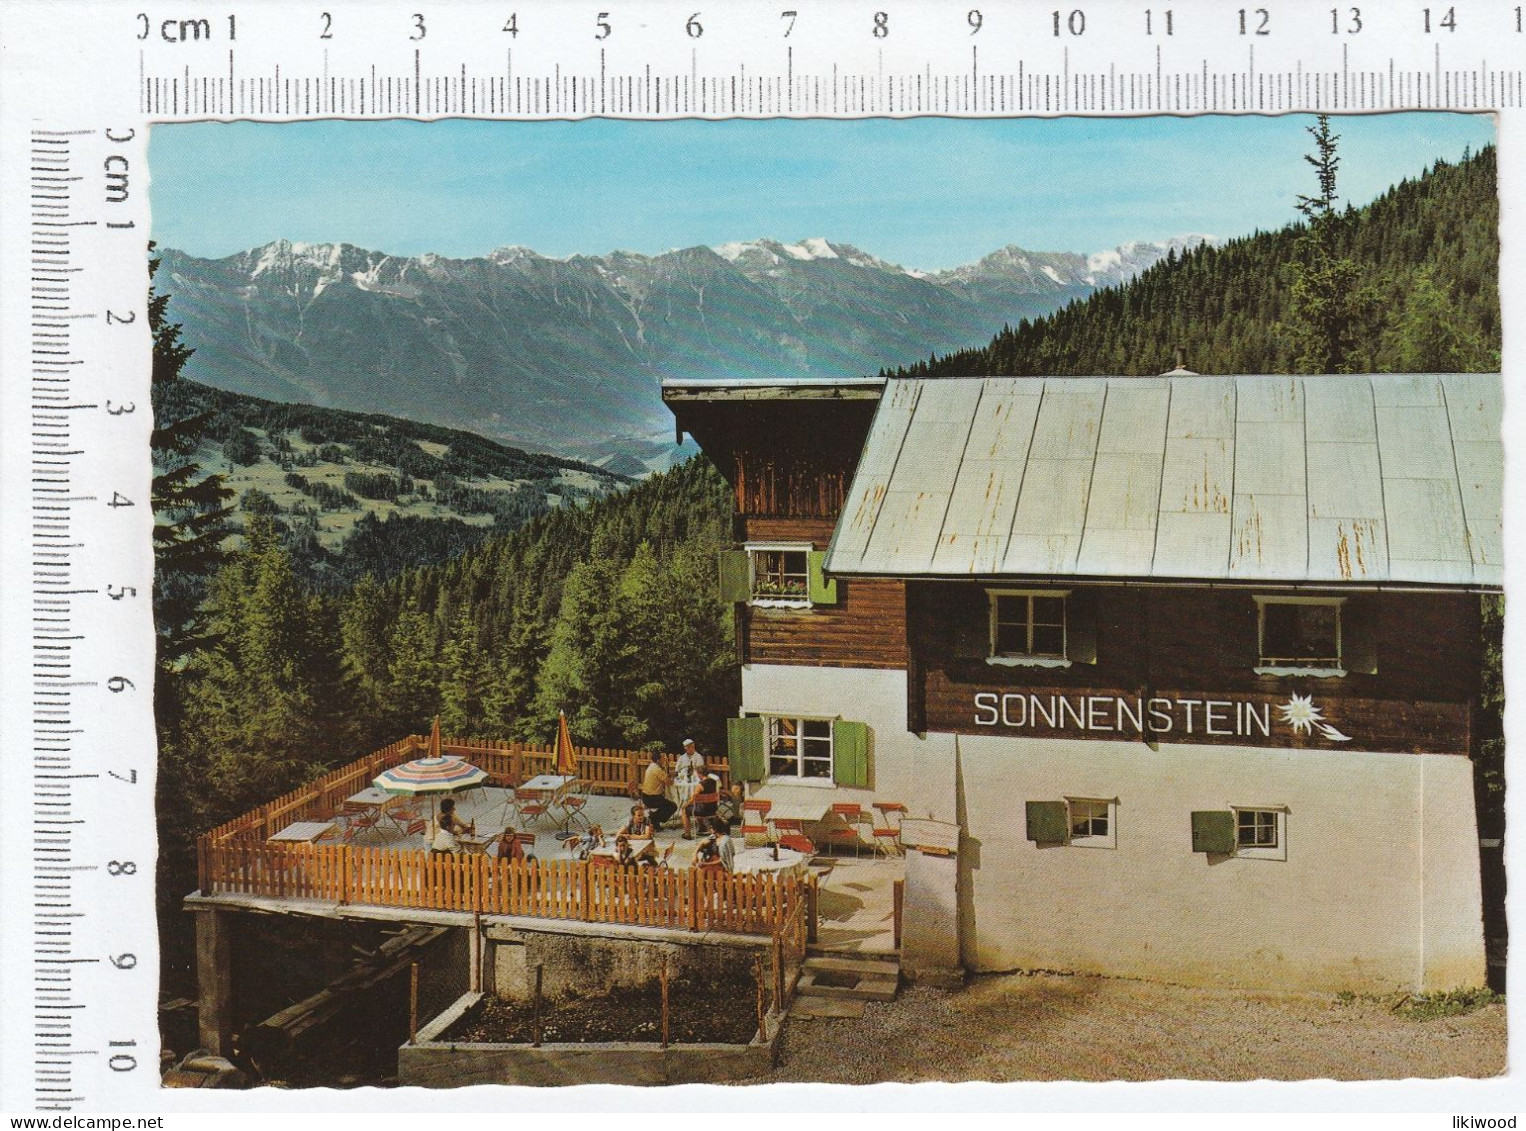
(566, 353)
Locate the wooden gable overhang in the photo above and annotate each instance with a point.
(788, 449)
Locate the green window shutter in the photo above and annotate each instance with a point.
(1359, 646)
(850, 753)
(736, 576)
(1048, 822)
(1213, 831)
(821, 589)
(1081, 626)
(744, 748)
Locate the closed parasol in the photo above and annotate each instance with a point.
(566, 756)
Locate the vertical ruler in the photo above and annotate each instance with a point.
(91, 580)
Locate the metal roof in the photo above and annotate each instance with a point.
(1372, 479)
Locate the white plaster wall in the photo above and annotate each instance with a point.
(1380, 888)
(1368, 837)
(902, 767)
(1454, 954)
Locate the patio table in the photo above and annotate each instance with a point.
(475, 844)
(760, 861)
(640, 849)
(797, 803)
(372, 797)
(548, 783)
(303, 832)
(376, 800)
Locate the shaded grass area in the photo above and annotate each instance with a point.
(1428, 1007)
(712, 1009)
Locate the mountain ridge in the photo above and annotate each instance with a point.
(552, 353)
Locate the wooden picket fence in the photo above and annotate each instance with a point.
(691, 899)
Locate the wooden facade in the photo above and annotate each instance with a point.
(1195, 646)
(866, 628)
(783, 459)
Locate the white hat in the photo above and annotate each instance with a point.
(688, 742)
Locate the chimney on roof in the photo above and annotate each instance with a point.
(1181, 369)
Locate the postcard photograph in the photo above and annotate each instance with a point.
(821, 601)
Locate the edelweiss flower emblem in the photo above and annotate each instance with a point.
(1300, 713)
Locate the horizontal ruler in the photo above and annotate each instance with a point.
(561, 60)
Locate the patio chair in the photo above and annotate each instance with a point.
(730, 807)
(359, 823)
(853, 819)
(755, 824)
(798, 842)
(572, 805)
(415, 827)
(529, 807)
(791, 831)
(887, 831)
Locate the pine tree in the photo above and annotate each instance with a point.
(190, 508)
(253, 695)
(413, 671)
(466, 682)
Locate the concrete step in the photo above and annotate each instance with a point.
(848, 984)
(875, 967)
(813, 1007)
(816, 950)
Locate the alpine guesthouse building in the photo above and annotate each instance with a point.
(1179, 673)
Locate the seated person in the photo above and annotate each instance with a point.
(702, 803)
(640, 825)
(654, 786)
(709, 853)
(509, 847)
(447, 826)
(625, 857)
(722, 832)
(581, 844)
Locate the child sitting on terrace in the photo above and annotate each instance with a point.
(581, 844)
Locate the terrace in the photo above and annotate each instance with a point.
(299, 854)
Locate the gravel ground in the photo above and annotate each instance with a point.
(1060, 1027)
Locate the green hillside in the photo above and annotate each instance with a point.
(1428, 249)
(358, 493)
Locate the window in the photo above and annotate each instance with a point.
(800, 748)
(1091, 822)
(1299, 636)
(1261, 833)
(779, 574)
(1028, 627)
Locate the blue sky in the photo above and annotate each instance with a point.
(926, 193)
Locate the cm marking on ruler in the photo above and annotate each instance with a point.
(750, 60)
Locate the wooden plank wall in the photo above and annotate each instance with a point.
(1197, 642)
(866, 628)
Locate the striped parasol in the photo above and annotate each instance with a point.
(445, 774)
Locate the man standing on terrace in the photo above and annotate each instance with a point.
(654, 785)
